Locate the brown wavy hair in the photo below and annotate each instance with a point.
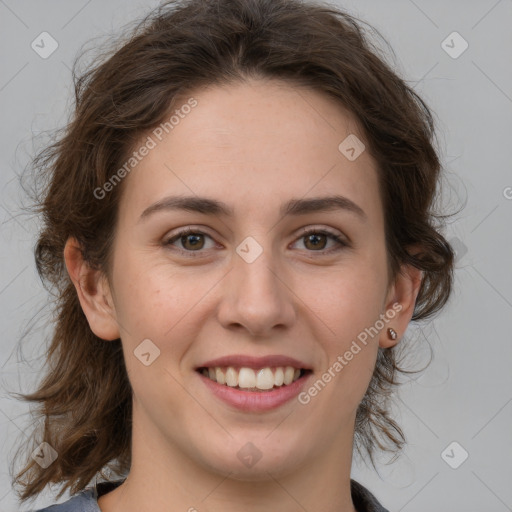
(84, 401)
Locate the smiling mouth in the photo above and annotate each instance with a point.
(249, 379)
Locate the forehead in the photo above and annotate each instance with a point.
(250, 142)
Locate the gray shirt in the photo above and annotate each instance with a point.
(87, 500)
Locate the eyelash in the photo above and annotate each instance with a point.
(342, 244)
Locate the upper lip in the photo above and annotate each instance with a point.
(240, 360)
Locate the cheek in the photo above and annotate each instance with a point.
(349, 299)
(351, 310)
(146, 301)
(159, 302)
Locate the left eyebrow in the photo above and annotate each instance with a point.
(209, 206)
(322, 204)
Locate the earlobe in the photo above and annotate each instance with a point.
(93, 292)
(400, 305)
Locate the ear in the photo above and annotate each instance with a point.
(93, 292)
(401, 299)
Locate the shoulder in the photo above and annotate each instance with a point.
(364, 500)
(85, 501)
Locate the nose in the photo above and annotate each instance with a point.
(256, 297)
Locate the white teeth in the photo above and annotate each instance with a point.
(279, 377)
(219, 376)
(265, 379)
(288, 375)
(231, 377)
(247, 378)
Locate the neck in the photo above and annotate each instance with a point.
(170, 480)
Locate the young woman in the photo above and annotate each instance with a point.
(238, 229)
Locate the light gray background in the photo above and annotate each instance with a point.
(466, 393)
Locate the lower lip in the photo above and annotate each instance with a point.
(256, 401)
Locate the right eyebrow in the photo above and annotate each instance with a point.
(188, 203)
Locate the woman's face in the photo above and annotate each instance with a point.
(247, 283)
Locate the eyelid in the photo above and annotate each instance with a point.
(168, 240)
(326, 230)
(341, 240)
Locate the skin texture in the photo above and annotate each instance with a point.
(253, 145)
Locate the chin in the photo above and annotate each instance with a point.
(255, 461)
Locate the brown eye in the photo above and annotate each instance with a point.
(315, 241)
(192, 241)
